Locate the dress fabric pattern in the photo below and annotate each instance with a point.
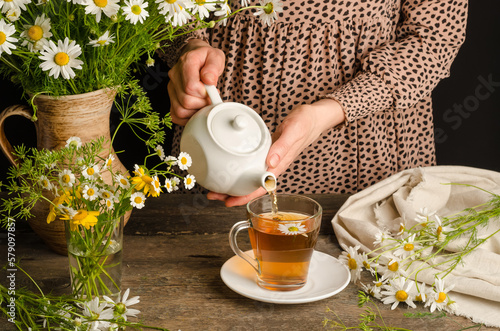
(380, 59)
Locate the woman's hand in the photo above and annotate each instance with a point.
(199, 64)
(299, 129)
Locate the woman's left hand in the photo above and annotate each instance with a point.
(299, 129)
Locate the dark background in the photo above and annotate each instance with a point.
(466, 105)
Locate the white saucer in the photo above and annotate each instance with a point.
(327, 277)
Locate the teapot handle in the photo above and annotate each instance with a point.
(213, 94)
(5, 145)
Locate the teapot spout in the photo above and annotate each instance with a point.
(268, 181)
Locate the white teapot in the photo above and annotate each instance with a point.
(228, 143)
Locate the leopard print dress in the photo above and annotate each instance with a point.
(379, 58)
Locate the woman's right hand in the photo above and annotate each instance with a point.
(199, 64)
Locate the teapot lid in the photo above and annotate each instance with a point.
(236, 128)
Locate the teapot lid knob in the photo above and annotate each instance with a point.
(240, 122)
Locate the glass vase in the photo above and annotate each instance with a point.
(95, 258)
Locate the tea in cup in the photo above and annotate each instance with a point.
(282, 242)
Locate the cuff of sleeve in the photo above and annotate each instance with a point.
(171, 51)
(364, 95)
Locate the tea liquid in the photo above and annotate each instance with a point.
(283, 258)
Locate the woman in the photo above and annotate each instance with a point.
(344, 86)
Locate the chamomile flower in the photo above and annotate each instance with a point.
(6, 39)
(421, 294)
(178, 18)
(171, 160)
(173, 6)
(137, 200)
(382, 237)
(97, 7)
(374, 289)
(391, 267)
(175, 183)
(74, 142)
(96, 313)
(91, 172)
(398, 291)
(203, 8)
(184, 161)
(109, 161)
(106, 194)
(36, 35)
(168, 185)
(189, 181)
(368, 264)
(150, 62)
(13, 14)
(67, 178)
(160, 152)
(225, 10)
(268, 14)
(135, 10)
(45, 183)
(90, 192)
(293, 228)
(61, 59)
(408, 248)
(423, 216)
(103, 40)
(142, 181)
(439, 299)
(109, 204)
(122, 181)
(156, 187)
(121, 306)
(350, 257)
(7, 5)
(439, 230)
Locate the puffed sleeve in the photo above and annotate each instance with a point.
(400, 73)
(172, 50)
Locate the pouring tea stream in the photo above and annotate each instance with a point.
(228, 143)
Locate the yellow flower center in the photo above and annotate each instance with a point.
(378, 284)
(156, 184)
(171, 1)
(61, 59)
(200, 2)
(123, 181)
(80, 215)
(3, 37)
(106, 195)
(393, 266)
(66, 178)
(401, 295)
(409, 247)
(101, 3)
(147, 179)
(401, 228)
(184, 160)
(293, 229)
(90, 171)
(45, 183)
(35, 33)
(188, 181)
(109, 162)
(102, 42)
(352, 264)
(108, 203)
(90, 192)
(441, 297)
(138, 200)
(269, 8)
(439, 230)
(419, 298)
(136, 9)
(366, 265)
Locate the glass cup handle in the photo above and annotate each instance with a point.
(234, 246)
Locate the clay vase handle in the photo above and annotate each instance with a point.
(4, 143)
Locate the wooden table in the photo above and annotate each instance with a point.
(174, 249)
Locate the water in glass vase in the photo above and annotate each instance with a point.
(96, 272)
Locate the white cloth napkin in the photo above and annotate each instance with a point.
(477, 281)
